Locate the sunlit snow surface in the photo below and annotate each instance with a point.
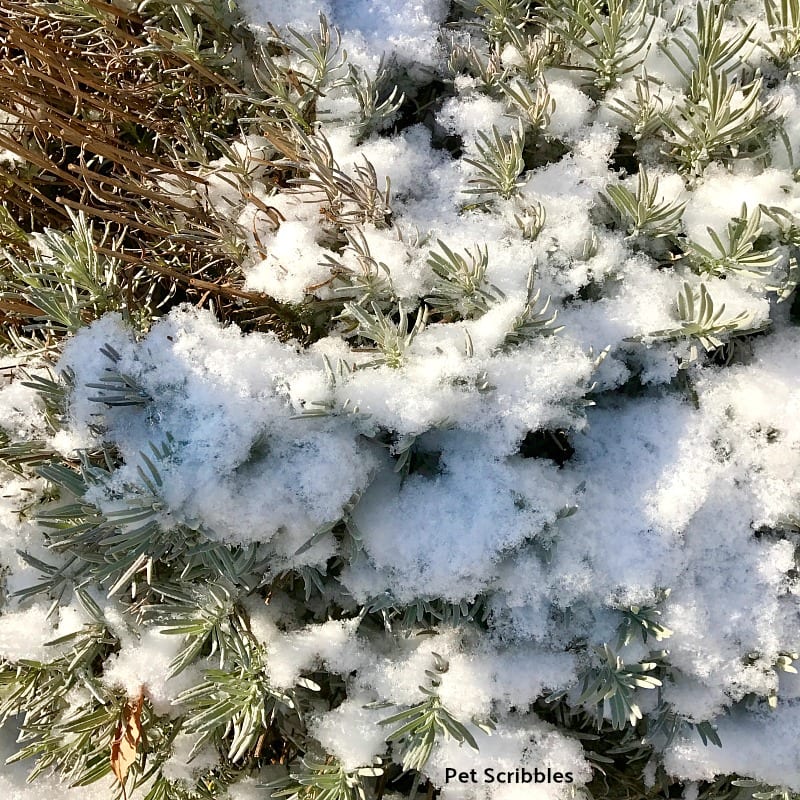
(664, 490)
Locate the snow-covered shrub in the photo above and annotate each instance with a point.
(448, 424)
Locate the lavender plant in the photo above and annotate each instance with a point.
(290, 434)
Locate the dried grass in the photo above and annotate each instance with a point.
(98, 102)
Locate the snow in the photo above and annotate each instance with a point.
(514, 501)
(25, 633)
(143, 664)
(518, 746)
(258, 453)
(371, 29)
(759, 745)
(305, 650)
(352, 732)
(294, 246)
(682, 473)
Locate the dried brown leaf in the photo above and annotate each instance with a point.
(127, 739)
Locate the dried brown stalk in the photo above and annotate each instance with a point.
(99, 107)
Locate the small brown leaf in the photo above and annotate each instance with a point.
(127, 738)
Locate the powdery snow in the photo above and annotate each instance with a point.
(685, 480)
